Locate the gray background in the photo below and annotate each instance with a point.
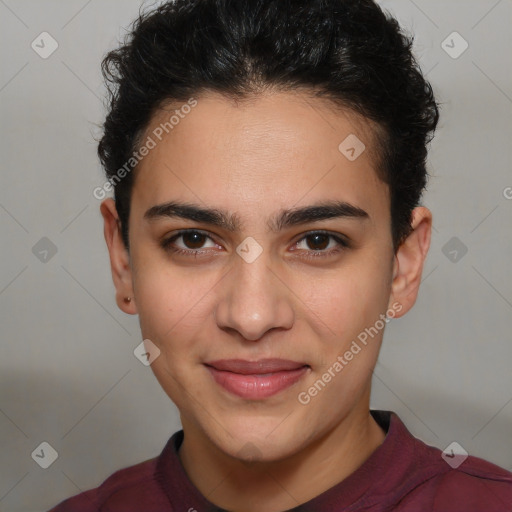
(68, 374)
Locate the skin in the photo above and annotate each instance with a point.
(254, 159)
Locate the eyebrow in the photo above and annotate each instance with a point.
(231, 222)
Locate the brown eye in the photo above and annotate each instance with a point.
(193, 240)
(317, 241)
(321, 244)
(189, 242)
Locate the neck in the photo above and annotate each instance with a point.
(280, 485)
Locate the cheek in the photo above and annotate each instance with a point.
(173, 312)
(346, 301)
(173, 306)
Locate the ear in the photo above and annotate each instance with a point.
(409, 259)
(119, 257)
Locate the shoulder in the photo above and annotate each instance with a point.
(474, 486)
(427, 481)
(130, 487)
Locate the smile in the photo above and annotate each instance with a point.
(254, 380)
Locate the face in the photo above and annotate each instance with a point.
(260, 255)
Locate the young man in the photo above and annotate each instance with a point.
(268, 159)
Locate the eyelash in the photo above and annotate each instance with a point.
(167, 244)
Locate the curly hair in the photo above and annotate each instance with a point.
(347, 51)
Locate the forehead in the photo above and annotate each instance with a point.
(284, 147)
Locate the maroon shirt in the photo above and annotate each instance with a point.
(403, 474)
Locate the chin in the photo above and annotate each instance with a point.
(255, 440)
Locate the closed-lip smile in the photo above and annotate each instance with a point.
(256, 379)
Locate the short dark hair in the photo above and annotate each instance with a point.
(347, 51)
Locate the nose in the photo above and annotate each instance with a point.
(254, 300)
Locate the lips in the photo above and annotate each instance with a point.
(260, 367)
(256, 379)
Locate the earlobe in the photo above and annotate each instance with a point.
(119, 258)
(409, 260)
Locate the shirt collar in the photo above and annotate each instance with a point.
(372, 478)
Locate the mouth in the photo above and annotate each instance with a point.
(255, 380)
